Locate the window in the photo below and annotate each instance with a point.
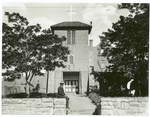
(71, 37)
(91, 43)
(102, 65)
(70, 59)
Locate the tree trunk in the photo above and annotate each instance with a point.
(27, 87)
(27, 90)
(47, 82)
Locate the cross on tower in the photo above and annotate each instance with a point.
(71, 12)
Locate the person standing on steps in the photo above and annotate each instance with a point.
(61, 94)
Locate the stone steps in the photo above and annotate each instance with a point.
(80, 111)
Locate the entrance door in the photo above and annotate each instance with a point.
(71, 86)
(71, 80)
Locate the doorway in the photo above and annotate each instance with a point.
(71, 80)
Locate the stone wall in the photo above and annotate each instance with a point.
(35, 106)
(124, 106)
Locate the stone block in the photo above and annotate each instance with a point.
(19, 112)
(30, 104)
(4, 108)
(22, 112)
(104, 104)
(18, 106)
(61, 101)
(12, 107)
(24, 101)
(22, 106)
(12, 112)
(116, 111)
(44, 105)
(117, 105)
(107, 112)
(46, 113)
(125, 105)
(29, 113)
(16, 101)
(119, 112)
(110, 103)
(4, 104)
(118, 99)
(142, 111)
(6, 112)
(29, 99)
(106, 99)
(144, 104)
(131, 112)
(142, 99)
(59, 111)
(38, 101)
(128, 99)
(47, 100)
(6, 101)
(107, 107)
(134, 104)
(39, 111)
(59, 106)
(37, 105)
(51, 111)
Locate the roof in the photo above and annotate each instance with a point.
(71, 25)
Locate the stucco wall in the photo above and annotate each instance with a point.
(38, 106)
(123, 106)
(79, 50)
(81, 58)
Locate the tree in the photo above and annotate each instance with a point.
(21, 47)
(53, 51)
(126, 44)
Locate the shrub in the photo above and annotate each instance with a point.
(32, 95)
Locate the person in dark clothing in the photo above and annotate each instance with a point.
(61, 94)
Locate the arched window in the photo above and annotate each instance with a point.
(71, 59)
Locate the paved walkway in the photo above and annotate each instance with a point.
(80, 105)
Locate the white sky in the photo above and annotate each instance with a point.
(49, 12)
(102, 15)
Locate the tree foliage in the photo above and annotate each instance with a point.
(126, 44)
(28, 49)
(52, 51)
(19, 46)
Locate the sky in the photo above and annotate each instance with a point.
(102, 15)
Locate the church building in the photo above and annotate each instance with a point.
(83, 56)
(76, 74)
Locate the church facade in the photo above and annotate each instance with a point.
(77, 71)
